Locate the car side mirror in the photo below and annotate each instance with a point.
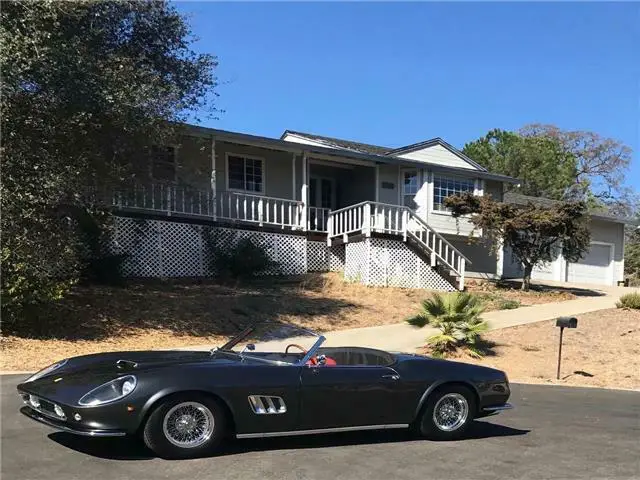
(321, 359)
(251, 347)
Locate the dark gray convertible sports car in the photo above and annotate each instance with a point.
(184, 403)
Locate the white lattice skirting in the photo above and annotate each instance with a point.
(383, 262)
(158, 248)
(317, 256)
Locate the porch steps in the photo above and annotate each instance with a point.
(401, 223)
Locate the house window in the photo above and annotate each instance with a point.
(163, 163)
(245, 174)
(444, 187)
(410, 187)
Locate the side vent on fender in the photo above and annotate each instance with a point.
(267, 405)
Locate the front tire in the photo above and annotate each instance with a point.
(185, 426)
(448, 413)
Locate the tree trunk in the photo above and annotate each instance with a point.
(526, 278)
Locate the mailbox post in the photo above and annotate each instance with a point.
(564, 322)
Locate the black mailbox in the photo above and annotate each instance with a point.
(567, 322)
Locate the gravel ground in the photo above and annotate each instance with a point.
(604, 351)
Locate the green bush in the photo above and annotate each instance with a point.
(457, 316)
(629, 300)
(243, 260)
(508, 304)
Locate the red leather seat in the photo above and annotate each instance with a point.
(329, 362)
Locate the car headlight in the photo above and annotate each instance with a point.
(46, 371)
(110, 391)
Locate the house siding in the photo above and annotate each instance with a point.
(437, 155)
(389, 175)
(483, 262)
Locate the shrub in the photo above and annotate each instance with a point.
(243, 260)
(457, 316)
(629, 300)
(508, 304)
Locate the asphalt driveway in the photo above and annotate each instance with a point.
(554, 432)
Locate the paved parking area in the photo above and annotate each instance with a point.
(554, 432)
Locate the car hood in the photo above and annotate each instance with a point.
(79, 375)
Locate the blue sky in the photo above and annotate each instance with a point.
(397, 73)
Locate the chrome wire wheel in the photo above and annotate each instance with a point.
(450, 412)
(188, 424)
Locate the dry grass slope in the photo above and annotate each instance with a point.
(156, 315)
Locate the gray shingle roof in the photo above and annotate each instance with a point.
(340, 143)
(519, 199)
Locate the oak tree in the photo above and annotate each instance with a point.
(85, 84)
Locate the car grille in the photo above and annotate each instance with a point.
(45, 407)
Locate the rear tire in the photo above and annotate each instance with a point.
(447, 414)
(185, 426)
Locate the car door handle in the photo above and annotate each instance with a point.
(391, 376)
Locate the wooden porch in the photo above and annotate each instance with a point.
(363, 219)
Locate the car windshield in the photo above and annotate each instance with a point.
(273, 342)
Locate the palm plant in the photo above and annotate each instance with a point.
(457, 316)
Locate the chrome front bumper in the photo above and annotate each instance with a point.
(59, 425)
(495, 409)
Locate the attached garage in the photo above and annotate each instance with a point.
(602, 264)
(595, 267)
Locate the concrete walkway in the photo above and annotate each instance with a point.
(402, 337)
(405, 338)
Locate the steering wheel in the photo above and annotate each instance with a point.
(286, 350)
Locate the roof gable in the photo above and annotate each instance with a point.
(436, 151)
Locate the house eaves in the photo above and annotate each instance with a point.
(300, 148)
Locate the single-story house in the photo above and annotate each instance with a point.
(317, 203)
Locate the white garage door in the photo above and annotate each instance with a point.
(595, 267)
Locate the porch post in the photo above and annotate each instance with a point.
(500, 260)
(304, 191)
(213, 178)
(461, 278)
(293, 176)
(377, 183)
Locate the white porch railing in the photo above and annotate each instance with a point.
(183, 200)
(317, 219)
(367, 217)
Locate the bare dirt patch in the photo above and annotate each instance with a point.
(604, 351)
(156, 315)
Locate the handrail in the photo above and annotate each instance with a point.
(171, 200)
(350, 207)
(438, 235)
(251, 195)
(370, 216)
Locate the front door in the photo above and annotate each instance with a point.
(346, 396)
(322, 192)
